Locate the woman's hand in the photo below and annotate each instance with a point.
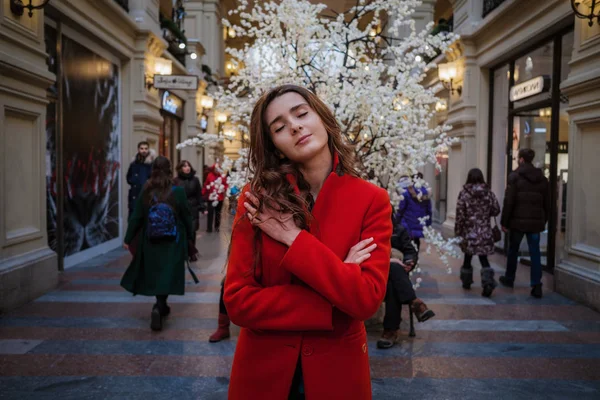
(360, 252)
(125, 246)
(279, 226)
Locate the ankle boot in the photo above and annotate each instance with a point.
(420, 310)
(388, 339)
(222, 331)
(155, 319)
(487, 281)
(466, 276)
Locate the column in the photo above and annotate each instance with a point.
(467, 110)
(149, 44)
(203, 22)
(578, 276)
(28, 267)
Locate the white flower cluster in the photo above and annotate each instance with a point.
(201, 140)
(239, 173)
(359, 64)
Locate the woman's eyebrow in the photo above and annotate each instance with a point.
(279, 117)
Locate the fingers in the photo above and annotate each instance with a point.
(252, 199)
(362, 244)
(367, 250)
(363, 258)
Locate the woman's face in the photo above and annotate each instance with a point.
(186, 169)
(295, 128)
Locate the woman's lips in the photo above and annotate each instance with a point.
(303, 139)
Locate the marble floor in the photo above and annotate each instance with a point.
(89, 339)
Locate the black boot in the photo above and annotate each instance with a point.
(507, 282)
(466, 276)
(163, 307)
(487, 281)
(536, 291)
(155, 319)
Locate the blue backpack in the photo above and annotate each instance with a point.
(162, 223)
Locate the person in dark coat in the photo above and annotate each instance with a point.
(414, 205)
(476, 205)
(400, 289)
(158, 267)
(525, 213)
(187, 179)
(139, 172)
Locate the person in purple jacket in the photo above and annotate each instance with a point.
(415, 204)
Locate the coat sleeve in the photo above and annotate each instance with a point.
(461, 210)
(429, 213)
(357, 290)
(129, 173)
(510, 195)
(136, 220)
(198, 192)
(547, 206)
(251, 305)
(401, 241)
(185, 215)
(495, 210)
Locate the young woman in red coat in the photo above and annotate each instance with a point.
(309, 258)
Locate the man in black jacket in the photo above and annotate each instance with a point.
(399, 288)
(139, 172)
(525, 213)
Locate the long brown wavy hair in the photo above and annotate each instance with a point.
(160, 183)
(270, 169)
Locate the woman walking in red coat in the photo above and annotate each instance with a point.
(309, 258)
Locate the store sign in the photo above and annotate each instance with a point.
(172, 82)
(528, 88)
(172, 104)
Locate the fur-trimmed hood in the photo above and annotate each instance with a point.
(149, 158)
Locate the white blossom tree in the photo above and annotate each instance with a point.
(368, 64)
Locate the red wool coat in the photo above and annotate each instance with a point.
(305, 302)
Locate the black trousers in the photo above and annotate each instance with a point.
(399, 291)
(417, 243)
(214, 214)
(485, 263)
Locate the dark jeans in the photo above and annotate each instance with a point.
(533, 241)
(417, 243)
(214, 213)
(482, 259)
(399, 291)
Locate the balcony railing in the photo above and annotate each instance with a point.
(490, 5)
(124, 4)
(174, 36)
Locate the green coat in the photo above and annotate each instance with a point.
(158, 268)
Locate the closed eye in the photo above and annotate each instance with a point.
(303, 114)
(279, 129)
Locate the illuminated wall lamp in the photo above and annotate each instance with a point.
(441, 105)
(163, 66)
(207, 102)
(448, 73)
(220, 117)
(17, 7)
(590, 14)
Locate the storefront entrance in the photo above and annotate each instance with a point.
(170, 133)
(529, 111)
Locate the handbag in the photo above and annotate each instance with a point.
(496, 232)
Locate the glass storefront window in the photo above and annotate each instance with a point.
(537, 63)
(531, 129)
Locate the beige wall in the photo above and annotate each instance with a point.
(578, 274)
(509, 30)
(28, 267)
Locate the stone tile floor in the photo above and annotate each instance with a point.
(89, 339)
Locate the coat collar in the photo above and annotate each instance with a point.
(336, 168)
